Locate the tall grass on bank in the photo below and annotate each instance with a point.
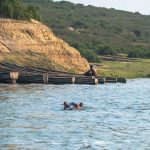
(138, 69)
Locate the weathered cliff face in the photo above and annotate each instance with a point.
(35, 38)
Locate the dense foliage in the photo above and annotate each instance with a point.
(14, 9)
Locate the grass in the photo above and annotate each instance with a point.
(32, 59)
(138, 69)
(29, 58)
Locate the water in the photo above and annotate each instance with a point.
(116, 117)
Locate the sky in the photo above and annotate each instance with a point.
(142, 6)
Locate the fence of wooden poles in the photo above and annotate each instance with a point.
(12, 73)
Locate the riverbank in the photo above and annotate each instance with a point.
(138, 68)
(134, 69)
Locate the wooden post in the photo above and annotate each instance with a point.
(73, 80)
(14, 76)
(96, 81)
(45, 78)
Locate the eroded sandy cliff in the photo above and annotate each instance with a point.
(26, 42)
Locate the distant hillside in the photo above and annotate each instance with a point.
(97, 30)
(34, 44)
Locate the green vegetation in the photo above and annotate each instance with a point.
(139, 68)
(14, 9)
(97, 31)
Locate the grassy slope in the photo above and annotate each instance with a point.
(140, 68)
(96, 27)
(29, 59)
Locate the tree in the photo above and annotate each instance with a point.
(33, 12)
(15, 9)
(106, 50)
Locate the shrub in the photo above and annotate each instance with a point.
(139, 54)
(90, 55)
(105, 50)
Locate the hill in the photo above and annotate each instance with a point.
(93, 30)
(34, 44)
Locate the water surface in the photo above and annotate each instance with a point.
(115, 116)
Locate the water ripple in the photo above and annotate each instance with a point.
(115, 116)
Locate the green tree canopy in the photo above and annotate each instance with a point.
(15, 9)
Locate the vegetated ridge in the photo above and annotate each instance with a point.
(97, 31)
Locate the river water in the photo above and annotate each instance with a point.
(115, 117)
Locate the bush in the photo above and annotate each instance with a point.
(79, 24)
(90, 55)
(139, 54)
(105, 50)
